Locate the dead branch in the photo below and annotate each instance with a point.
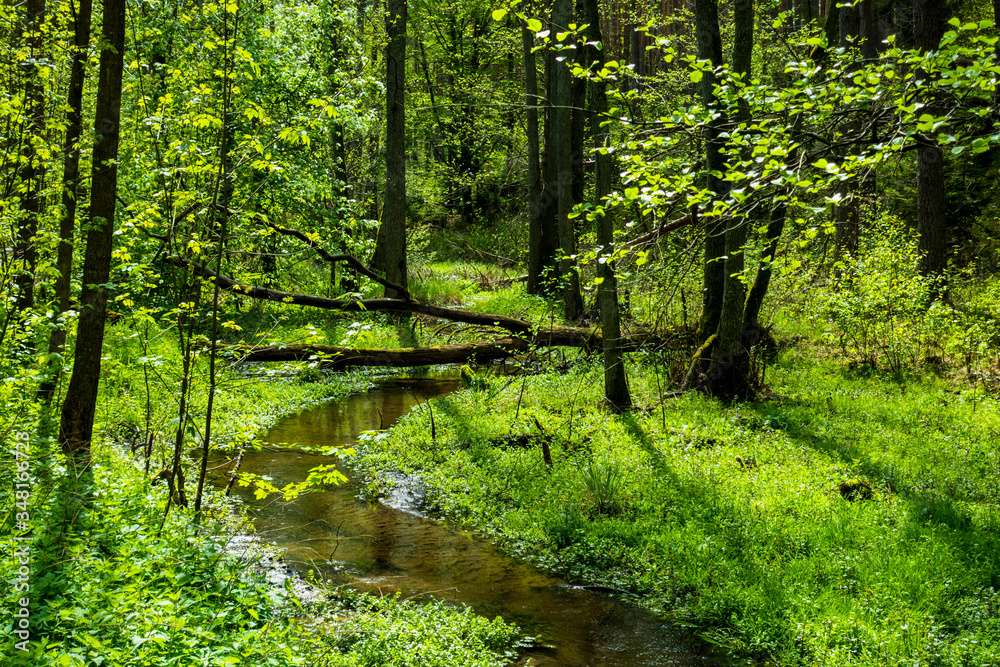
(329, 257)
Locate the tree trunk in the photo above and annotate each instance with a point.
(755, 300)
(616, 391)
(929, 23)
(71, 189)
(562, 169)
(847, 214)
(548, 202)
(77, 420)
(32, 173)
(706, 16)
(540, 255)
(393, 233)
(728, 373)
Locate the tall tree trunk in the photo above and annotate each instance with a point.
(929, 23)
(578, 113)
(548, 203)
(71, 188)
(706, 16)
(540, 255)
(562, 169)
(729, 371)
(847, 214)
(77, 420)
(393, 231)
(32, 173)
(616, 391)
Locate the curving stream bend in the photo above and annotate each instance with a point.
(389, 547)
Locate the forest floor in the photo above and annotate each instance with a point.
(843, 518)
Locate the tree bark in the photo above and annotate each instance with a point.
(71, 188)
(616, 391)
(393, 233)
(540, 251)
(338, 358)
(562, 169)
(847, 214)
(77, 419)
(929, 23)
(32, 172)
(709, 42)
(755, 300)
(728, 373)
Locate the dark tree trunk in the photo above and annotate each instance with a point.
(540, 255)
(929, 22)
(871, 35)
(548, 203)
(578, 115)
(561, 154)
(71, 187)
(616, 391)
(729, 371)
(77, 422)
(393, 232)
(755, 300)
(32, 173)
(847, 214)
(706, 16)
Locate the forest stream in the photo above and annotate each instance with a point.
(390, 546)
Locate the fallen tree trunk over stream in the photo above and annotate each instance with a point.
(336, 358)
(526, 336)
(559, 335)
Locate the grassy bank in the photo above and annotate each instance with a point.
(842, 520)
(110, 585)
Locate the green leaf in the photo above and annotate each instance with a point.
(499, 14)
(534, 25)
(696, 75)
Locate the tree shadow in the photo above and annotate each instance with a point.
(926, 508)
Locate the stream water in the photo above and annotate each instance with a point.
(388, 546)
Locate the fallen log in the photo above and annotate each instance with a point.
(337, 358)
(570, 336)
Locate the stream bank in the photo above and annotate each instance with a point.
(391, 547)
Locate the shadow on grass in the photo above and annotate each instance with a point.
(926, 508)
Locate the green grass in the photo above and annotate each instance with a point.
(730, 519)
